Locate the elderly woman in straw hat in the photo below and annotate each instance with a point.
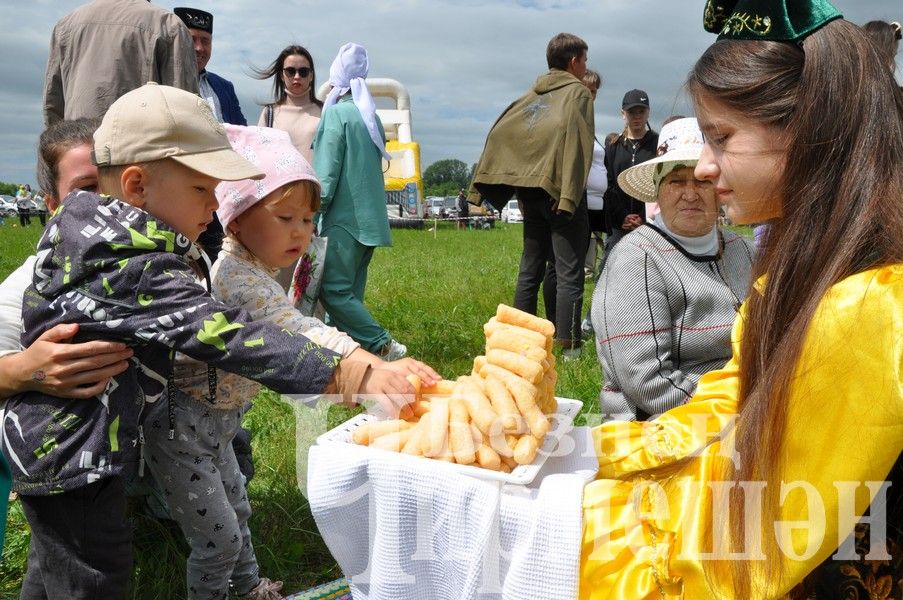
(669, 293)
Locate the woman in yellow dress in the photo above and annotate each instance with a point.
(764, 473)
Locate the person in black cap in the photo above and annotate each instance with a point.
(219, 93)
(636, 144)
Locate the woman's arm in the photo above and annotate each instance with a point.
(329, 157)
(51, 364)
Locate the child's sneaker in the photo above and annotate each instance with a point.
(571, 354)
(393, 351)
(265, 590)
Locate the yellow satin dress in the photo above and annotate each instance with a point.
(648, 539)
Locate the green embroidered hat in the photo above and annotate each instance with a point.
(776, 20)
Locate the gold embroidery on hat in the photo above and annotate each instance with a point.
(737, 22)
(713, 15)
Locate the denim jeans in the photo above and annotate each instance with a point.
(81, 543)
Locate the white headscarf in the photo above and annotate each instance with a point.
(348, 71)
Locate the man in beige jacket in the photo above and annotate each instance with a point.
(106, 48)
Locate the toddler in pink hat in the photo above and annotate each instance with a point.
(268, 225)
(271, 150)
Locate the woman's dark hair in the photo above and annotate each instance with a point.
(274, 70)
(886, 36)
(842, 198)
(55, 141)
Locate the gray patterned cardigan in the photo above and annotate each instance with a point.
(663, 317)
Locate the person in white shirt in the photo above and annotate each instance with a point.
(52, 364)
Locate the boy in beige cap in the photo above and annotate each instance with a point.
(123, 267)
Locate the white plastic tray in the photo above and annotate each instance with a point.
(561, 423)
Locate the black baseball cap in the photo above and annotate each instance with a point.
(635, 98)
(195, 18)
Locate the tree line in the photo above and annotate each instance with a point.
(8, 189)
(445, 177)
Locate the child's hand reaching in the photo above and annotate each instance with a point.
(410, 366)
(389, 389)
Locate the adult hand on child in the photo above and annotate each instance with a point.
(53, 366)
(409, 366)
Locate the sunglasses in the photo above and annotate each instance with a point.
(290, 72)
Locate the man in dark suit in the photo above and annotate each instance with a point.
(218, 92)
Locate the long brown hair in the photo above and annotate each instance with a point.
(842, 198)
(274, 70)
(54, 142)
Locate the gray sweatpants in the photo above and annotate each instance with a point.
(202, 484)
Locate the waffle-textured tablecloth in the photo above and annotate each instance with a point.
(407, 528)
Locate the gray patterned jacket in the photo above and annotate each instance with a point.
(663, 318)
(121, 274)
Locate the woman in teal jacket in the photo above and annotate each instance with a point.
(348, 148)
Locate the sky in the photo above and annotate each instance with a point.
(462, 61)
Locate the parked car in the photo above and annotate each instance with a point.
(450, 205)
(434, 207)
(7, 206)
(511, 213)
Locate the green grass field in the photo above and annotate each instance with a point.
(433, 291)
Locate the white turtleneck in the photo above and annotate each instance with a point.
(704, 245)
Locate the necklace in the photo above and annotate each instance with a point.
(634, 146)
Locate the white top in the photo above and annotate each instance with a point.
(597, 181)
(207, 93)
(11, 291)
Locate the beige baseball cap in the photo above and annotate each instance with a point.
(156, 121)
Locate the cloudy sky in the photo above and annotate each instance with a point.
(462, 61)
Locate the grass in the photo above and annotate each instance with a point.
(433, 291)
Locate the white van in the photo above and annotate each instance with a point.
(511, 213)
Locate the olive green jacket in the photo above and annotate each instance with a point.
(543, 140)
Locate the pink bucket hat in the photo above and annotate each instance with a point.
(271, 151)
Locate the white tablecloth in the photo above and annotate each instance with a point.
(406, 528)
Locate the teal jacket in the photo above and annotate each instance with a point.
(349, 165)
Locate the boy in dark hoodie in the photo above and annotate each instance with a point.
(540, 149)
(125, 268)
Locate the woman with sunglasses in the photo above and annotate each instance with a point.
(295, 107)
